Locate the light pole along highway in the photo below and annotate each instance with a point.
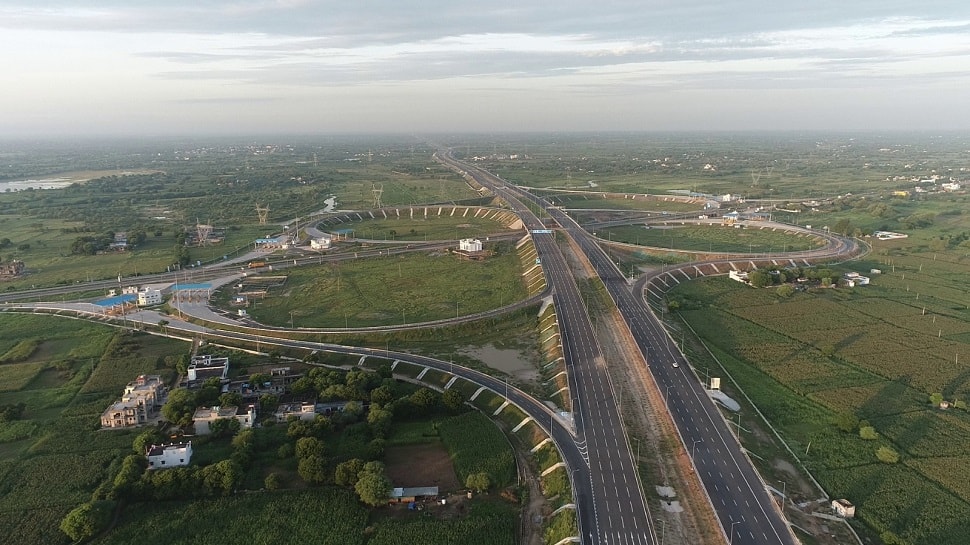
(611, 506)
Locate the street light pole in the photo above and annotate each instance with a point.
(663, 530)
(731, 537)
(784, 496)
(693, 447)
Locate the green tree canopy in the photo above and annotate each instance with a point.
(373, 488)
(179, 407)
(479, 482)
(87, 520)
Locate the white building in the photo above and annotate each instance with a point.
(206, 415)
(470, 245)
(853, 279)
(207, 366)
(740, 276)
(322, 243)
(149, 296)
(174, 455)
(843, 508)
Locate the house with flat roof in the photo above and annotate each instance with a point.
(142, 398)
(172, 455)
(205, 416)
(304, 410)
(207, 366)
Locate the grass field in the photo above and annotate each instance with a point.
(435, 226)
(394, 290)
(712, 238)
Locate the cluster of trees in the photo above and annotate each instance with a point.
(90, 245)
(10, 412)
(768, 276)
(368, 479)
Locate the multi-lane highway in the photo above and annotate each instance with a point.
(745, 509)
(612, 507)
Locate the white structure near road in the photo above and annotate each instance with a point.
(470, 245)
(323, 242)
(207, 366)
(173, 455)
(148, 296)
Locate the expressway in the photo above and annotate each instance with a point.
(611, 506)
(743, 505)
(745, 509)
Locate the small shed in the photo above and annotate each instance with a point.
(408, 495)
(843, 508)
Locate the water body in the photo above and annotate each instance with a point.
(46, 183)
(513, 362)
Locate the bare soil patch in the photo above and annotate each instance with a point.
(421, 465)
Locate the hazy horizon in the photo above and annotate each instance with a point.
(300, 67)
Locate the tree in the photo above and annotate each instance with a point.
(131, 471)
(785, 290)
(887, 455)
(347, 472)
(453, 399)
(424, 400)
(87, 520)
(309, 446)
(222, 427)
(312, 469)
(272, 481)
(145, 439)
(479, 482)
(759, 279)
(256, 380)
(868, 433)
(936, 398)
(379, 420)
(179, 407)
(373, 488)
(382, 395)
(230, 399)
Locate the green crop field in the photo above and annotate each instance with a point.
(326, 516)
(477, 445)
(873, 354)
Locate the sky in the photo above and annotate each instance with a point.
(212, 67)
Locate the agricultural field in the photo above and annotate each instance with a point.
(170, 187)
(770, 165)
(53, 457)
(845, 372)
(477, 445)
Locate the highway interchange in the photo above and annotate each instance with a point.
(611, 505)
(745, 509)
